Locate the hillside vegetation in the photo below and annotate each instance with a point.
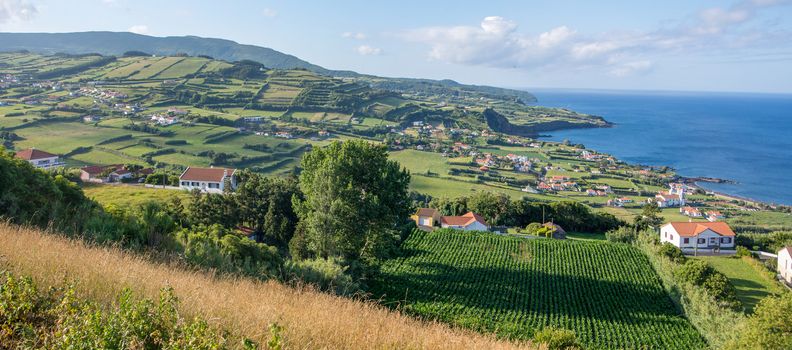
(244, 307)
(607, 294)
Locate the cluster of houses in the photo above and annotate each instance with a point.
(619, 202)
(164, 119)
(100, 94)
(557, 183)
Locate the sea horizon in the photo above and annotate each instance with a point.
(724, 135)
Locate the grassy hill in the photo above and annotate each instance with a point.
(243, 307)
(608, 294)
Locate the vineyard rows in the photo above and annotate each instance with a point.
(607, 293)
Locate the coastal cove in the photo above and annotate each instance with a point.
(746, 138)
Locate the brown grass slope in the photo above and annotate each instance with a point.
(312, 320)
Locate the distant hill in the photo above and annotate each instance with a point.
(117, 43)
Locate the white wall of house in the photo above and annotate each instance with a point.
(785, 265)
(475, 226)
(204, 186)
(704, 240)
(425, 220)
(46, 163)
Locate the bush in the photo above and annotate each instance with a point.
(700, 273)
(623, 234)
(326, 274)
(769, 327)
(743, 251)
(672, 252)
(556, 338)
(219, 248)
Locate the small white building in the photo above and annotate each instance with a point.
(690, 236)
(40, 159)
(210, 180)
(785, 264)
(667, 200)
(467, 222)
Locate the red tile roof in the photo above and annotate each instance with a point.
(206, 174)
(34, 154)
(690, 229)
(426, 212)
(463, 220)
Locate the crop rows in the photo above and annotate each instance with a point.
(608, 294)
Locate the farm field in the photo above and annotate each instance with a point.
(608, 294)
(751, 285)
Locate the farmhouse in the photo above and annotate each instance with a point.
(690, 211)
(211, 180)
(104, 173)
(785, 264)
(667, 200)
(698, 235)
(467, 222)
(715, 215)
(426, 218)
(39, 158)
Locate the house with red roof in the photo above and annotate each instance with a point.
(698, 235)
(785, 264)
(715, 215)
(210, 180)
(104, 173)
(467, 222)
(667, 200)
(40, 159)
(690, 211)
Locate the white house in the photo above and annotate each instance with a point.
(210, 180)
(785, 264)
(698, 235)
(467, 222)
(40, 159)
(667, 200)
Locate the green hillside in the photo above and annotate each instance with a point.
(608, 294)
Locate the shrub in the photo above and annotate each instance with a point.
(671, 252)
(326, 274)
(557, 338)
(623, 234)
(743, 251)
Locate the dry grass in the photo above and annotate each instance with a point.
(312, 320)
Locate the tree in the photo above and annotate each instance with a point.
(354, 199)
(493, 207)
(265, 205)
(649, 217)
(770, 327)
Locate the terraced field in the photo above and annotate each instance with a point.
(608, 294)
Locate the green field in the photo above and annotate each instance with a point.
(129, 195)
(750, 283)
(608, 294)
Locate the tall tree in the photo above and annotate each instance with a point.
(354, 199)
(265, 205)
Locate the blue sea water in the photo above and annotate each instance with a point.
(737, 136)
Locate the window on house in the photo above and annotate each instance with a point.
(687, 240)
(701, 241)
(214, 185)
(195, 183)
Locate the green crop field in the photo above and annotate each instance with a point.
(608, 294)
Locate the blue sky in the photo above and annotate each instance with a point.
(651, 45)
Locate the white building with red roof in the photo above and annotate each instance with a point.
(467, 222)
(785, 264)
(40, 159)
(210, 180)
(698, 235)
(667, 200)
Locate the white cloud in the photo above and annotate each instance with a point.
(366, 50)
(354, 35)
(139, 29)
(497, 42)
(268, 12)
(16, 10)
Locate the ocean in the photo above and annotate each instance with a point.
(742, 137)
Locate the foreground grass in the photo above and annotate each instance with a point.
(310, 319)
(752, 285)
